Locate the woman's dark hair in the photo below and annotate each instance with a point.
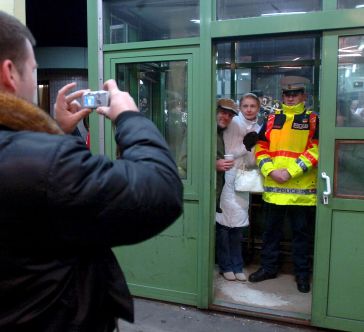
(13, 36)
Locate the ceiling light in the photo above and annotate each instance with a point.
(285, 13)
(348, 51)
(359, 6)
(345, 48)
(195, 21)
(349, 55)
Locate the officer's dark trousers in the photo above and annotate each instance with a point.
(301, 219)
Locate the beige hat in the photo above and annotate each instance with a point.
(292, 83)
(228, 105)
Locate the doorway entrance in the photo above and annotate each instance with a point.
(257, 65)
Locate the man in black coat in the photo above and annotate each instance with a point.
(63, 209)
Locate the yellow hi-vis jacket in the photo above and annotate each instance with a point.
(289, 139)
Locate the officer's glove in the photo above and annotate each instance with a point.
(250, 140)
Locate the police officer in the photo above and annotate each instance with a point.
(287, 155)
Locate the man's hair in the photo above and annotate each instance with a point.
(13, 36)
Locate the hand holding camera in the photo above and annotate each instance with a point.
(119, 101)
(67, 110)
(109, 102)
(95, 99)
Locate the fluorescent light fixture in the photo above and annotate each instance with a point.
(285, 13)
(345, 48)
(296, 59)
(195, 21)
(353, 69)
(360, 6)
(348, 51)
(141, 82)
(290, 67)
(349, 55)
(361, 47)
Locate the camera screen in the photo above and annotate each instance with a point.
(89, 101)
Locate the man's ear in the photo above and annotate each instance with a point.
(8, 76)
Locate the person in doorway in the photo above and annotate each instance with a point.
(225, 111)
(234, 214)
(63, 209)
(287, 155)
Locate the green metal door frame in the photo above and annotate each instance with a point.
(329, 132)
(197, 225)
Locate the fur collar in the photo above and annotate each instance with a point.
(17, 114)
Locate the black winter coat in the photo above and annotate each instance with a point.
(62, 209)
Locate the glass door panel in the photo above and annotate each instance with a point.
(349, 176)
(160, 88)
(350, 83)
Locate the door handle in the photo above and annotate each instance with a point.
(327, 192)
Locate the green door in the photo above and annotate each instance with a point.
(163, 83)
(338, 298)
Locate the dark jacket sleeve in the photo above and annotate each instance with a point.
(97, 201)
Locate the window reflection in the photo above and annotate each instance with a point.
(350, 85)
(349, 176)
(161, 91)
(259, 64)
(350, 4)
(128, 21)
(230, 9)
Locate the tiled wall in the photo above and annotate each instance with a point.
(59, 78)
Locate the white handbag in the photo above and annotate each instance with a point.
(249, 180)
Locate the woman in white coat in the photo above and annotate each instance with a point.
(235, 205)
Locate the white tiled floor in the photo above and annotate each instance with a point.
(279, 294)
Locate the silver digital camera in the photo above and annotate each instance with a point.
(95, 99)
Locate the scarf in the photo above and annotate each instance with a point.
(18, 114)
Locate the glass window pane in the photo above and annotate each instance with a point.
(223, 80)
(350, 85)
(260, 64)
(141, 20)
(229, 9)
(267, 80)
(161, 91)
(350, 4)
(349, 176)
(276, 49)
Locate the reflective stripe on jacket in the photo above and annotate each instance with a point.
(289, 139)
